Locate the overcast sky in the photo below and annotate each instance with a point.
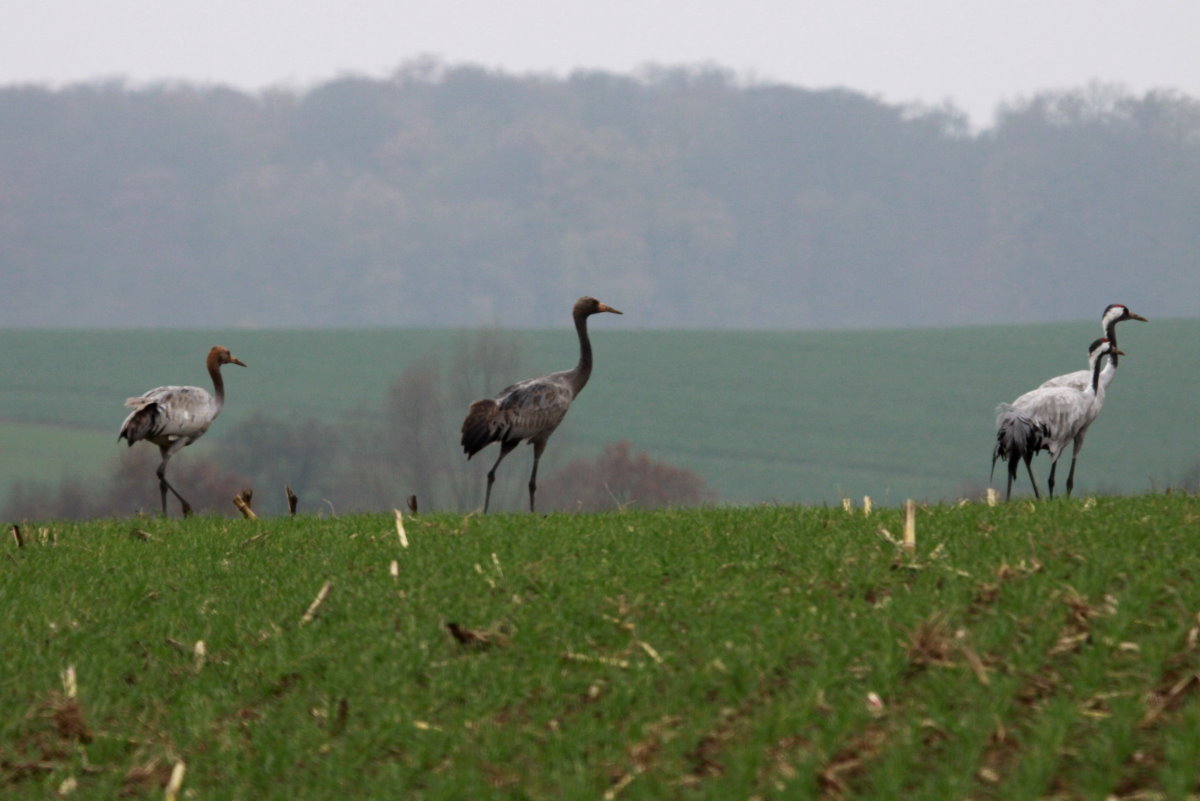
(975, 53)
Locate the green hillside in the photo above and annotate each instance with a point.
(789, 417)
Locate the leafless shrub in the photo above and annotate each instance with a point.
(620, 478)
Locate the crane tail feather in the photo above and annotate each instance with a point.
(1018, 437)
(141, 424)
(477, 429)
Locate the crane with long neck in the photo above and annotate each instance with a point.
(532, 409)
(1047, 418)
(174, 417)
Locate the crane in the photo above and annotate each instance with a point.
(1079, 379)
(531, 409)
(1048, 418)
(175, 417)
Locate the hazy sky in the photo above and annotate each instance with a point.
(976, 53)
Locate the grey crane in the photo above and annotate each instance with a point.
(531, 409)
(175, 417)
(1048, 418)
(1079, 379)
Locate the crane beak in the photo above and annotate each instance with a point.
(236, 360)
(1133, 316)
(604, 307)
(1116, 352)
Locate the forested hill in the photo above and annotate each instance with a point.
(687, 197)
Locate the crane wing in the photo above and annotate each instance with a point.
(533, 407)
(527, 410)
(1063, 412)
(166, 414)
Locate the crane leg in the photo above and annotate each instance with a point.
(1050, 481)
(1033, 481)
(505, 449)
(164, 485)
(1071, 478)
(538, 447)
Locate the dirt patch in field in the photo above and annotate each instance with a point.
(46, 741)
(1004, 746)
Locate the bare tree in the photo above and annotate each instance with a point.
(418, 452)
(306, 454)
(414, 443)
(619, 478)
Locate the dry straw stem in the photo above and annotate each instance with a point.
(977, 665)
(601, 660)
(400, 529)
(622, 783)
(321, 596)
(70, 687)
(242, 502)
(991, 496)
(866, 506)
(200, 651)
(253, 539)
(478, 639)
(847, 505)
(176, 782)
(394, 570)
(910, 525)
(887, 535)
(649, 649)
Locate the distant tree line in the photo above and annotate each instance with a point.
(455, 195)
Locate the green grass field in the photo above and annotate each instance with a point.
(41, 451)
(1023, 651)
(787, 416)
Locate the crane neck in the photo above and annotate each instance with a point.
(214, 372)
(1110, 333)
(1108, 373)
(583, 370)
(1096, 374)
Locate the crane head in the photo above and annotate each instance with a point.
(1116, 312)
(1102, 347)
(220, 355)
(589, 305)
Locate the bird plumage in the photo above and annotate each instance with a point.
(166, 414)
(174, 417)
(531, 410)
(1050, 418)
(521, 411)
